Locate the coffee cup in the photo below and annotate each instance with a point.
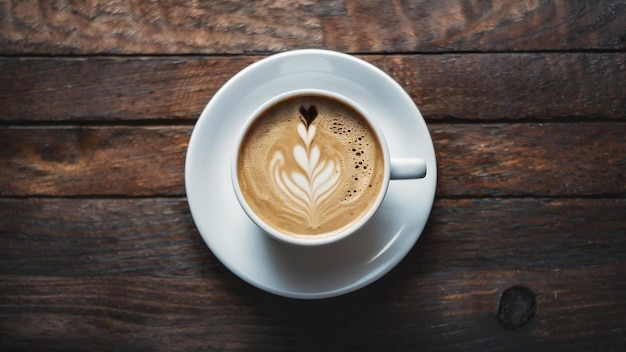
(311, 167)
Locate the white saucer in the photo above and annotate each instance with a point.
(311, 272)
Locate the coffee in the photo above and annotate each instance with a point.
(310, 165)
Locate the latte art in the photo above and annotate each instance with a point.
(310, 165)
(310, 188)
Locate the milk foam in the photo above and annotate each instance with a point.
(309, 188)
(310, 177)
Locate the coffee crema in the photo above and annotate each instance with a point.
(310, 165)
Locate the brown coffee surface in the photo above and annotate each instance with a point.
(310, 166)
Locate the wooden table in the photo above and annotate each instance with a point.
(526, 105)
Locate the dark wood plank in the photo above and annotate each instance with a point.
(470, 86)
(113, 160)
(476, 25)
(551, 159)
(512, 86)
(156, 236)
(81, 237)
(173, 27)
(111, 89)
(234, 27)
(500, 233)
(576, 310)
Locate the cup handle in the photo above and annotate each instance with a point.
(405, 169)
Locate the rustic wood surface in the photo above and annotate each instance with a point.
(239, 26)
(468, 86)
(525, 102)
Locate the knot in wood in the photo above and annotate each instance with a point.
(517, 307)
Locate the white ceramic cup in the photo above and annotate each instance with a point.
(394, 169)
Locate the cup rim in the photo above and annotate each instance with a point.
(303, 240)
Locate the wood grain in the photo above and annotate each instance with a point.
(579, 309)
(471, 86)
(113, 160)
(111, 89)
(570, 159)
(525, 104)
(475, 25)
(157, 237)
(530, 159)
(81, 237)
(126, 274)
(236, 27)
(156, 27)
